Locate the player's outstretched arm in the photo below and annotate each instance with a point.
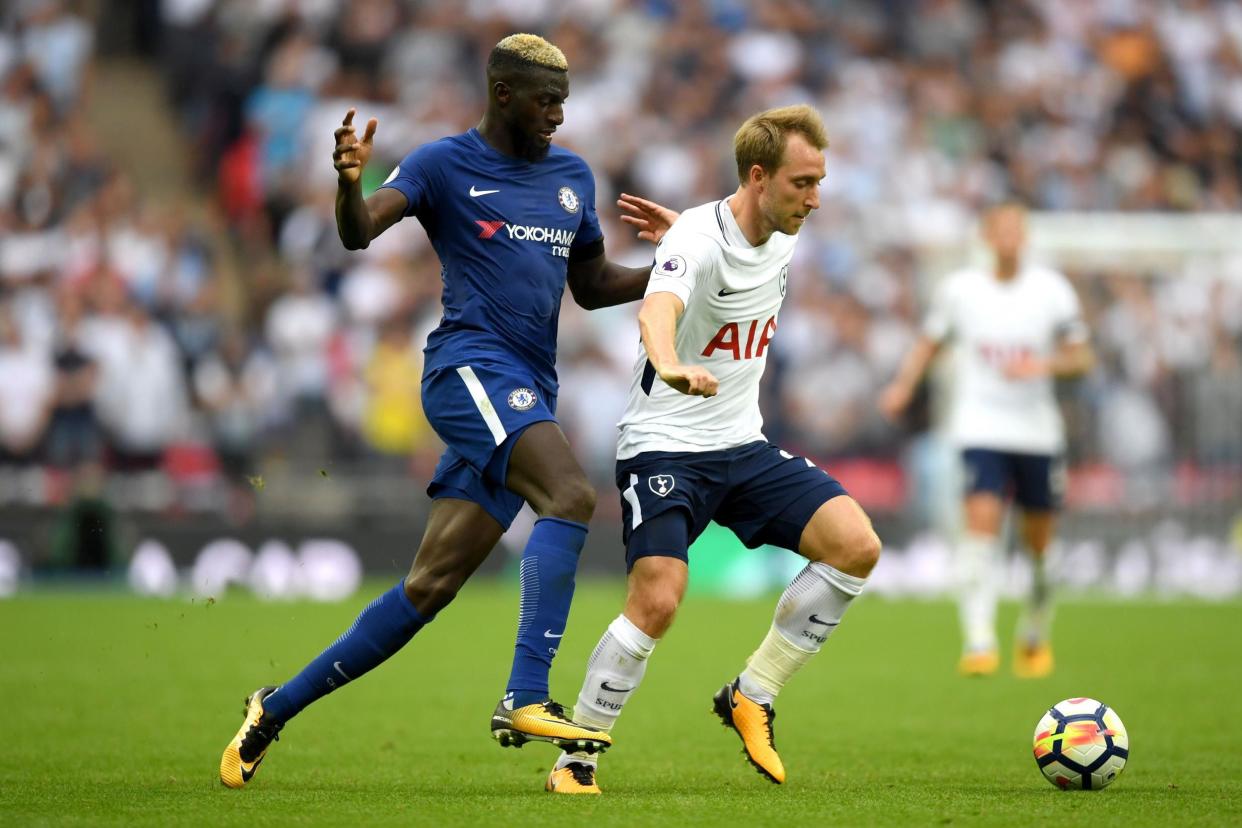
(895, 398)
(358, 221)
(657, 320)
(599, 283)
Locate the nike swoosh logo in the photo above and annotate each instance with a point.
(556, 722)
(336, 665)
(550, 634)
(815, 620)
(476, 193)
(604, 685)
(724, 292)
(247, 773)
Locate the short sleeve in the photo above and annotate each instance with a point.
(412, 178)
(938, 323)
(1069, 324)
(589, 231)
(682, 262)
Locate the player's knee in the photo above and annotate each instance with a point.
(861, 553)
(431, 591)
(656, 611)
(854, 554)
(573, 499)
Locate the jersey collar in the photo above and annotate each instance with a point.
(475, 136)
(729, 227)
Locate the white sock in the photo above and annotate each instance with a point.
(1035, 627)
(809, 610)
(977, 558)
(614, 671)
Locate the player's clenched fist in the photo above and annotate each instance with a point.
(694, 380)
(351, 155)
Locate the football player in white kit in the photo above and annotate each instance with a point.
(692, 449)
(1016, 327)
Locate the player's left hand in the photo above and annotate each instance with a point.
(692, 380)
(1026, 367)
(652, 220)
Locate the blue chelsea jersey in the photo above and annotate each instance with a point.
(503, 229)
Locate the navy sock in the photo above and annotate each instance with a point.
(379, 631)
(548, 566)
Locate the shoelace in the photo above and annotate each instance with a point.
(556, 709)
(583, 774)
(767, 725)
(257, 738)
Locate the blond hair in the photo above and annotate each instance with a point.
(533, 49)
(761, 139)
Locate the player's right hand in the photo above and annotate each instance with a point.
(893, 400)
(694, 380)
(351, 155)
(652, 220)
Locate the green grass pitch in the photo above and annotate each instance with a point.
(116, 709)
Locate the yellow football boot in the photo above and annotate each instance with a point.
(978, 663)
(753, 723)
(1033, 660)
(574, 778)
(242, 757)
(545, 721)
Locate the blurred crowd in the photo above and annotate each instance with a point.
(223, 334)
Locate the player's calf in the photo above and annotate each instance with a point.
(808, 612)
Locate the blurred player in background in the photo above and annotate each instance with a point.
(1016, 327)
(692, 449)
(512, 219)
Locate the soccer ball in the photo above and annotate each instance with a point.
(1081, 744)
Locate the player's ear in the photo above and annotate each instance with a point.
(757, 175)
(502, 92)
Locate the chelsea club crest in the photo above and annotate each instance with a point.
(568, 199)
(522, 399)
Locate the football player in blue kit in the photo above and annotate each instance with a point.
(512, 219)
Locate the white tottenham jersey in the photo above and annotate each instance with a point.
(991, 323)
(732, 293)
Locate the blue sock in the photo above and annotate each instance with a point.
(379, 631)
(548, 566)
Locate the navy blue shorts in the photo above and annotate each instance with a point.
(765, 495)
(479, 410)
(1036, 481)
